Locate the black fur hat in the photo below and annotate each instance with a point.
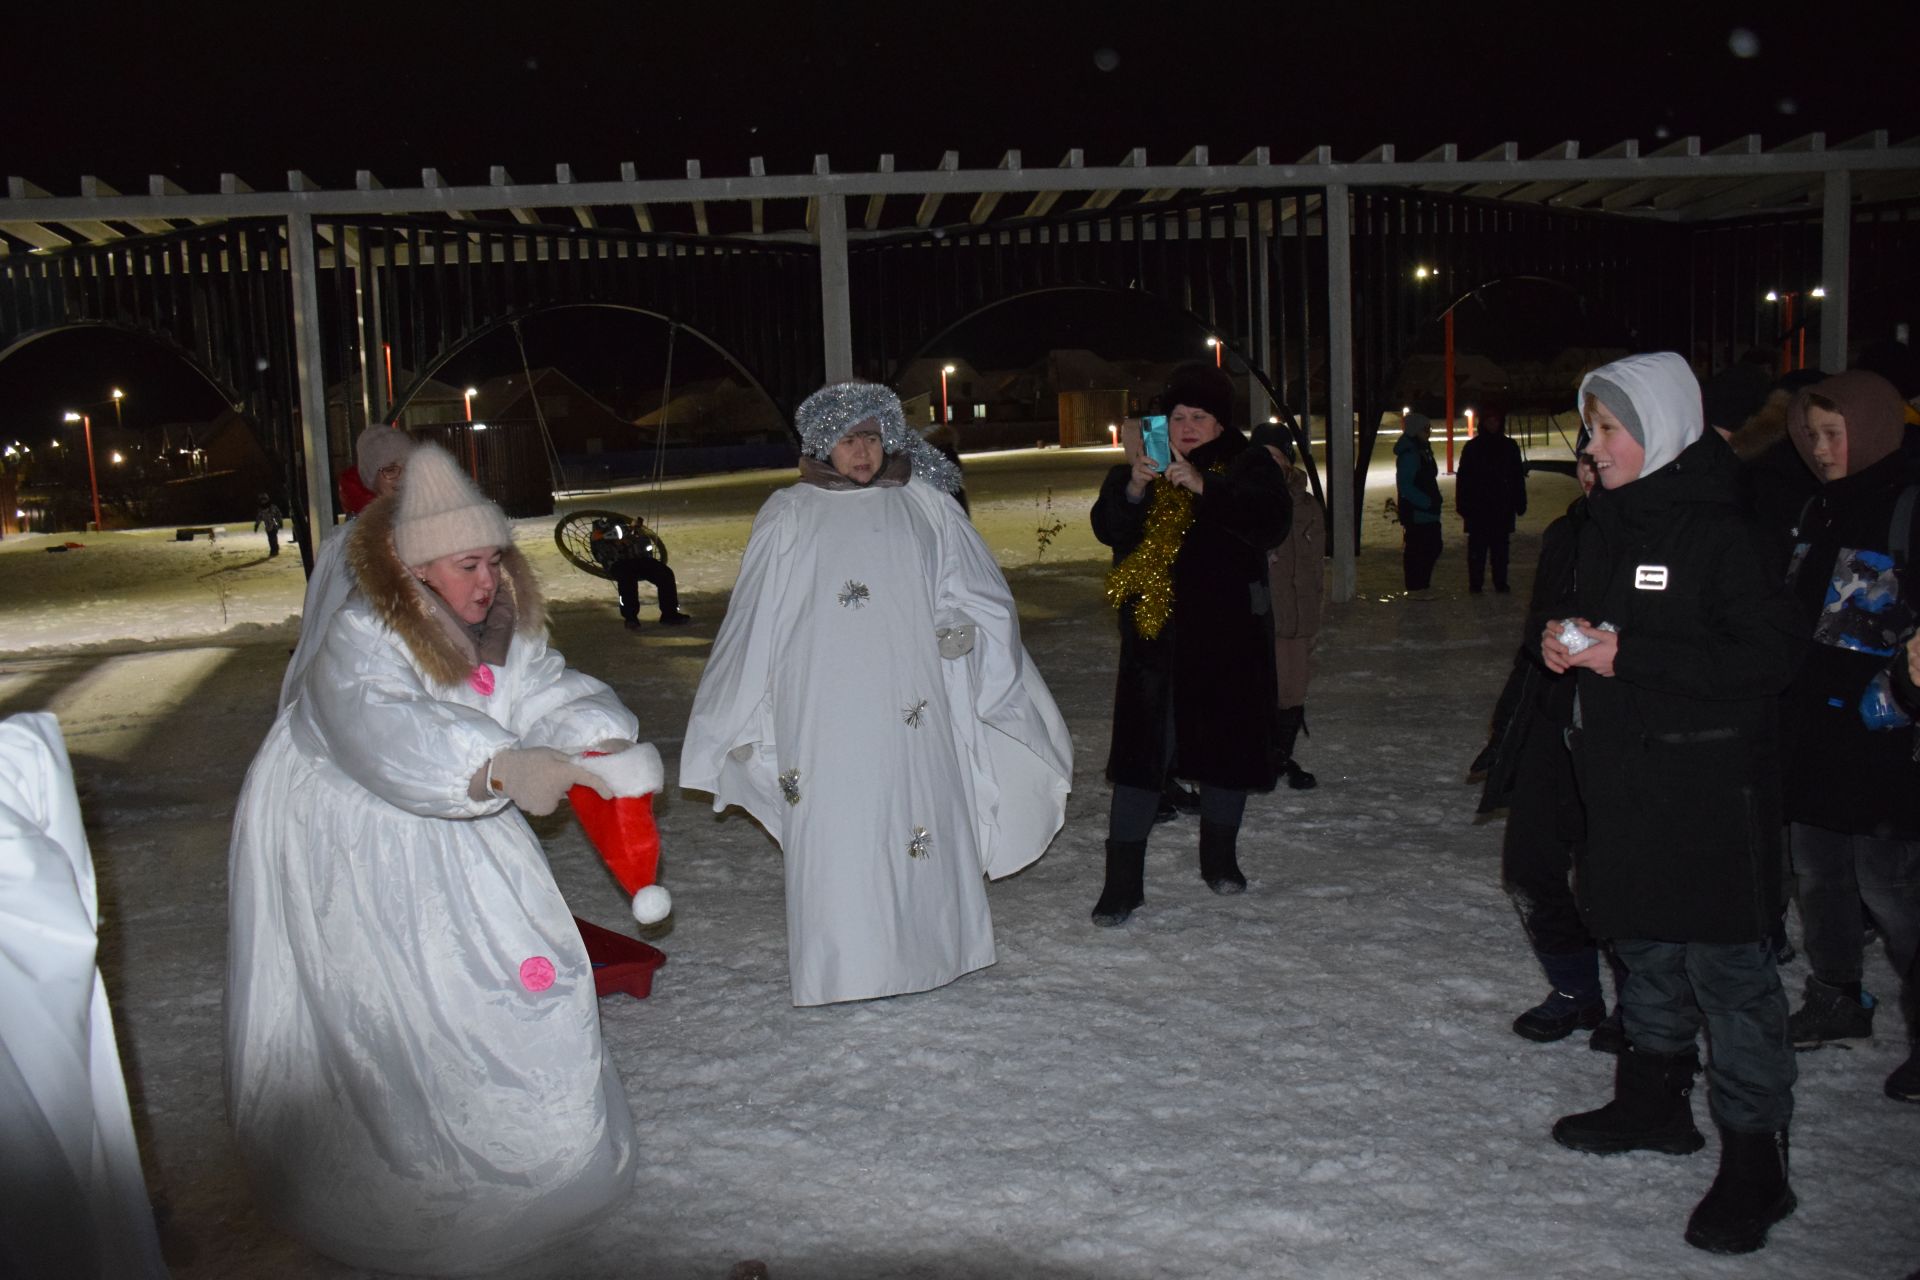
(1200, 386)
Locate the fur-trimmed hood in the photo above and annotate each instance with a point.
(445, 648)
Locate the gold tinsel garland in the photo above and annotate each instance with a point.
(1147, 572)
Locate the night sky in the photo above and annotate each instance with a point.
(193, 90)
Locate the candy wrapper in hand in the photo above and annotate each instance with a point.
(1576, 640)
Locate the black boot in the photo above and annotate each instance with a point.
(1650, 1110)
(1749, 1195)
(1218, 865)
(1287, 725)
(1126, 864)
(1575, 1003)
(1611, 1035)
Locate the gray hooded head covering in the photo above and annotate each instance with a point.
(838, 408)
(1656, 397)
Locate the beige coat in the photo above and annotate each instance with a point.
(1296, 575)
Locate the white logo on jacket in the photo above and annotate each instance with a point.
(1650, 577)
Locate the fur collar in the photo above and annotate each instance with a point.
(894, 471)
(446, 649)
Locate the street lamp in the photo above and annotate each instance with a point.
(118, 396)
(1218, 347)
(93, 480)
(473, 446)
(946, 410)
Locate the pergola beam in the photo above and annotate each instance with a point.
(930, 203)
(1644, 174)
(1043, 201)
(876, 202)
(983, 206)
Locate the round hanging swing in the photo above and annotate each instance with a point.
(595, 540)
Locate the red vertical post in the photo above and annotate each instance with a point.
(1449, 377)
(93, 481)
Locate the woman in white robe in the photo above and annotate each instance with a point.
(415, 1075)
(868, 701)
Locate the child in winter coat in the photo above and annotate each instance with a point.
(1674, 736)
(1417, 493)
(1850, 780)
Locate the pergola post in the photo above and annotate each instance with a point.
(1259, 403)
(1836, 239)
(1340, 471)
(302, 264)
(836, 294)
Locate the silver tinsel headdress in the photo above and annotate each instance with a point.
(833, 410)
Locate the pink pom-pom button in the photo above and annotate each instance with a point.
(536, 973)
(482, 680)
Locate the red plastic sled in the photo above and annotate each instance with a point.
(620, 963)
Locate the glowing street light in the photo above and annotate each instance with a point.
(1819, 291)
(1424, 273)
(1218, 348)
(473, 446)
(1772, 296)
(93, 480)
(117, 459)
(946, 410)
(118, 396)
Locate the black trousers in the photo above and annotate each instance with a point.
(1481, 546)
(1422, 553)
(1536, 859)
(628, 574)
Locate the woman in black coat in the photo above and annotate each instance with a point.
(1196, 632)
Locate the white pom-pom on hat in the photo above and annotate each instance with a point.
(652, 904)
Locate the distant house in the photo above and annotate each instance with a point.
(575, 420)
(716, 411)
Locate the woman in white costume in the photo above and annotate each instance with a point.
(868, 701)
(415, 1076)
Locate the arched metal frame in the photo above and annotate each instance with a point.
(439, 362)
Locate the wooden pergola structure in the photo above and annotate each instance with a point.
(67, 256)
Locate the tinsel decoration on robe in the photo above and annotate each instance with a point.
(1146, 575)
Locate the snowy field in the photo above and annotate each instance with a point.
(1313, 1080)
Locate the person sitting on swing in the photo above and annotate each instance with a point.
(629, 557)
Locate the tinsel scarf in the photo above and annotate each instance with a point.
(1146, 574)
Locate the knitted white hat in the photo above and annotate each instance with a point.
(380, 445)
(441, 512)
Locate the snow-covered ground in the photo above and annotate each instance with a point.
(1313, 1080)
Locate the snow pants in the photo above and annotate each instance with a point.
(1835, 873)
(1733, 990)
(1422, 552)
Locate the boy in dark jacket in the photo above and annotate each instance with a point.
(1675, 749)
(1851, 790)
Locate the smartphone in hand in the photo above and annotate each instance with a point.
(1153, 440)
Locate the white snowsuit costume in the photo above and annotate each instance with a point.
(415, 1076)
(891, 776)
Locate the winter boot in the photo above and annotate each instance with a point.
(1651, 1109)
(1287, 723)
(1575, 1003)
(1218, 865)
(1611, 1035)
(1831, 1014)
(1904, 1084)
(1749, 1195)
(1126, 865)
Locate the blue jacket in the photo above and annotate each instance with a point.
(1418, 478)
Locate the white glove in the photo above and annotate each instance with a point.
(538, 778)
